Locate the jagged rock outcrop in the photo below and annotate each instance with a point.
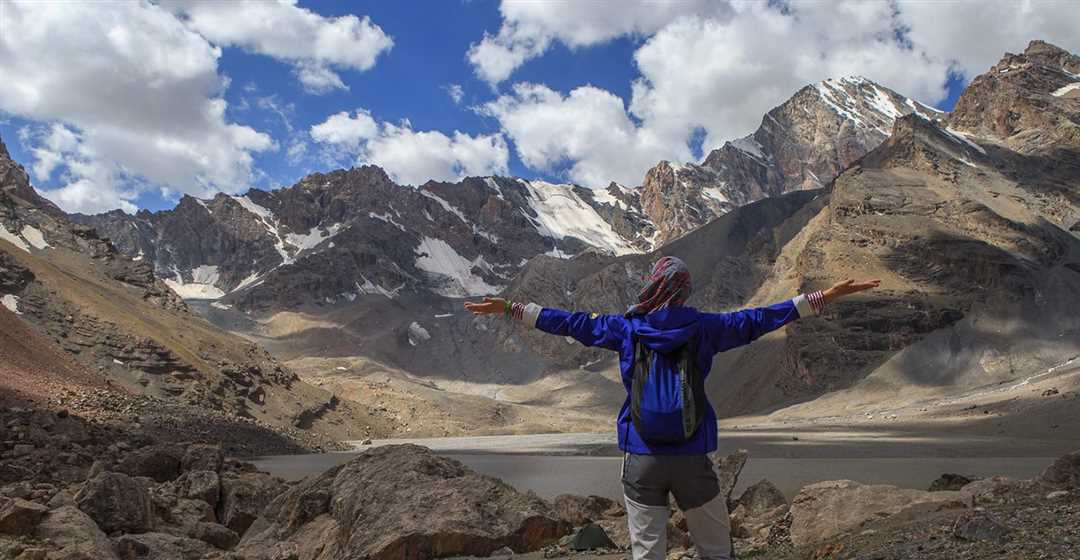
(1029, 101)
(401, 502)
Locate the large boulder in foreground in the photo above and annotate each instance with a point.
(75, 534)
(826, 509)
(402, 502)
(728, 468)
(1065, 471)
(117, 502)
(244, 498)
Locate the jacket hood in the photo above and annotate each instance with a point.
(667, 329)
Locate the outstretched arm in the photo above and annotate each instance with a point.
(590, 329)
(730, 330)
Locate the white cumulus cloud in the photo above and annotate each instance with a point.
(529, 28)
(280, 29)
(139, 97)
(412, 157)
(588, 129)
(717, 67)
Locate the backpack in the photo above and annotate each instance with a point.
(667, 407)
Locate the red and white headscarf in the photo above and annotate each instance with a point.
(669, 285)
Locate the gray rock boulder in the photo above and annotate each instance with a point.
(200, 485)
(1065, 471)
(728, 468)
(950, 481)
(212, 533)
(590, 537)
(159, 462)
(244, 498)
(761, 497)
(75, 535)
(19, 516)
(117, 502)
(202, 457)
(402, 501)
(829, 508)
(579, 510)
(160, 546)
(980, 525)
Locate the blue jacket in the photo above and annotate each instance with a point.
(665, 330)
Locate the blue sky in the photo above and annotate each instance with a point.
(584, 62)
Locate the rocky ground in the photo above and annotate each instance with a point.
(72, 488)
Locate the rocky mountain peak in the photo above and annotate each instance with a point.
(1027, 101)
(801, 144)
(1049, 54)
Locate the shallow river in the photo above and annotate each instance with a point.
(532, 467)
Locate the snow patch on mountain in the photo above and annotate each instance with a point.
(418, 334)
(386, 217)
(748, 145)
(1060, 92)
(202, 285)
(34, 237)
(493, 185)
(437, 257)
(963, 138)
(203, 204)
(446, 205)
(561, 213)
(270, 222)
(11, 302)
(369, 287)
(716, 193)
(13, 239)
(254, 279)
(312, 238)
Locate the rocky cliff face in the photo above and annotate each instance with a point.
(118, 320)
(1030, 102)
(802, 144)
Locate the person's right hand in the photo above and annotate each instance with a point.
(488, 307)
(849, 287)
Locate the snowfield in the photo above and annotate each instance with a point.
(13, 239)
(202, 285)
(438, 258)
(561, 213)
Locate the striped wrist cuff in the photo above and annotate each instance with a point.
(810, 304)
(527, 314)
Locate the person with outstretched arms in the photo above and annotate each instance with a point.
(666, 426)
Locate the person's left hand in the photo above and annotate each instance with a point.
(489, 306)
(849, 287)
